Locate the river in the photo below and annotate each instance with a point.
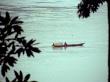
(57, 21)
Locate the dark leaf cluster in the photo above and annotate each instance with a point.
(20, 78)
(85, 7)
(12, 43)
(6, 63)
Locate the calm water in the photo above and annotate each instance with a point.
(57, 21)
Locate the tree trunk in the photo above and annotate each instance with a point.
(108, 5)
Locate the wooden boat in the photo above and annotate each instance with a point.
(67, 45)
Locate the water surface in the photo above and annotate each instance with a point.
(57, 21)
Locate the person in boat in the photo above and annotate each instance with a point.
(53, 44)
(65, 44)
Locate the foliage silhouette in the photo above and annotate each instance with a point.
(19, 77)
(12, 43)
(85, 7)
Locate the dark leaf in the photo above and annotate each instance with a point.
(11, 61)
(3, 48)
(14, 80)
(34, 81)
(18, 22)
(13, 20)
(29, 53)
(7, 18)
(1, 59)
(17, 34)
(8, 28)
(13, 47)
(7, 80)
(12, 51)
(2, 19)
(31, 42)
(21, 76)
(20, 39)
(4, 69)
(17, 29)
(26, 77)
(35, 49)
(10, 44)
(24, 43)
(19, 51)
(16, 74)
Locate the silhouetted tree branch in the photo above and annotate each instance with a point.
(85, 7)
(12, 43)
